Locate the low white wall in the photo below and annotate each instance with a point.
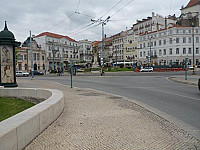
(19, 130)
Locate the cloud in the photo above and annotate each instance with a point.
(55, 16)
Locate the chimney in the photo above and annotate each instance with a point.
(165, 23)
(153, 14)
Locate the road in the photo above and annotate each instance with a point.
(152, 89)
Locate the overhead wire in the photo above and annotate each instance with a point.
(77, 32)
(111, 8)
(122, 8)
(67, 17)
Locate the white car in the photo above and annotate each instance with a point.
(146, 69)
(22, 74)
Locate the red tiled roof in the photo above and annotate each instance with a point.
(192, 3)
(55, 36)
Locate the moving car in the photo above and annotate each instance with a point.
(22, 74)
(146, 69)
(36, 72)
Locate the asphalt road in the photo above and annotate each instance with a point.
(153, 89)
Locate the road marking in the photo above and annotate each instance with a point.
(174, 94)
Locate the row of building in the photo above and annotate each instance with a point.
(157, 40)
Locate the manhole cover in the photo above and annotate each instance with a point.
(91, 94)
(115, 97)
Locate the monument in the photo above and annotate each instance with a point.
(7, 58)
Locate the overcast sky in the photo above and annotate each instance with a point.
(58, 16)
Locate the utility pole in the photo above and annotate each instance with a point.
(32, 74)
(102, 53)
(62, 57)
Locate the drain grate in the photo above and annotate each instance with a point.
(115, 97)
(78, 90)
(91, 94)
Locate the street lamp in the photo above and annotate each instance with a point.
(116, 57)
(102, 56)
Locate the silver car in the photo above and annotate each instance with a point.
(146, 69)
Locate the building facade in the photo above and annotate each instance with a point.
(59, 49)
(153, 23)
(85, 51)
(118, 46)
(170, 46)
(130, 44)
(24, 57)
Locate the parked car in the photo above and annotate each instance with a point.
(146, 69)
(22, 74)
(36, 72)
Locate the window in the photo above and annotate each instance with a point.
(26, 66)
(170, 51)
(177, 31)
(144, 45)
(144, 54)
(140, 45)
(164, 52)
(160, 42)
(197, 39)
(25, 58)
(190, 51)
(183, 31)
(170, 40)
(140, 54)
(177, 50)
(34, 56)
(190, 31)
(177, 40)
(154, 43)
(164, 42)
(184, 50)
(184, 40)
(43, 58)
(43, 66)
(197, 50)
(160, 52)
(38, 56)
(190, 40)
(49, 54)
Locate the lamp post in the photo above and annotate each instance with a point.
(32, 74)
(192, 23)
(102, 56)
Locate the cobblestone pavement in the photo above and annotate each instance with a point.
(93, 120)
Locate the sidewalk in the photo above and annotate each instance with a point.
(95, 120)
(192, 79)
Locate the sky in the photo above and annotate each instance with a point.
(69, 17)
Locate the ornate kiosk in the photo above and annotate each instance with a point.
(7, 58)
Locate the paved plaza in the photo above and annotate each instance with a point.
(96, 120)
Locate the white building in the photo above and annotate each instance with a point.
(169, 46)
(154, 23)
(85, 51)
(58, 49)
(118, 46)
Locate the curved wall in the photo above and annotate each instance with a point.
(19, 130)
